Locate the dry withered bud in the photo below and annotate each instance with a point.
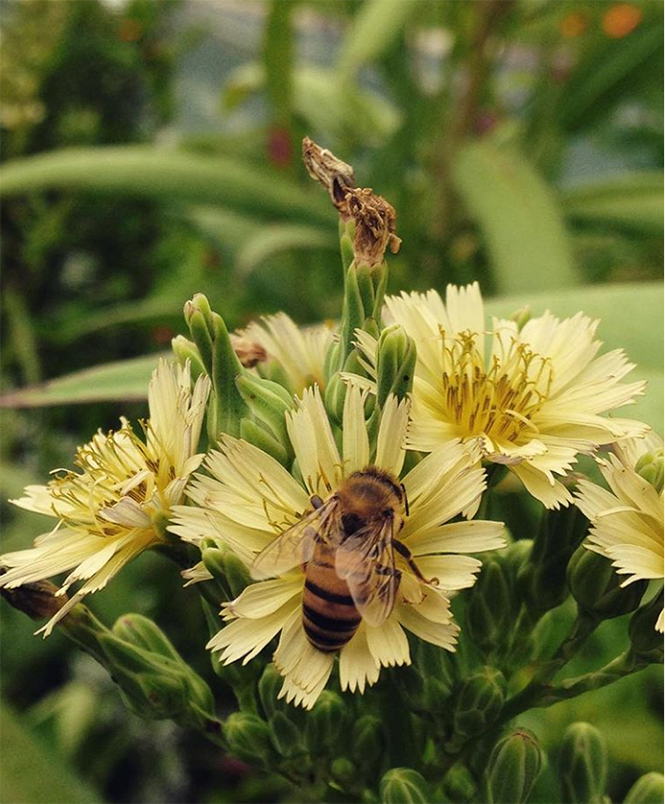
(249, 352)
(336, 176)
(375, 226)
(38, 600)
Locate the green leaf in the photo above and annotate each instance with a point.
(32, 773)
(167, 176)
(375, 27)
(631, 318)
(519, 216)
(633, 202)
(271, 240)
(123, 380)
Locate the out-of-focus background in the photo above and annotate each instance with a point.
(151, 150)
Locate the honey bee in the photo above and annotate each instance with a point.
(346, 546)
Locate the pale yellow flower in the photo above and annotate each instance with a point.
(296, 356)
(119, 503)
(532, 396)
(249, 499)
(627, 521)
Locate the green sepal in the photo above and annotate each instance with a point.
(353, 314)
(344, 773)
(186, 350)
(198, 317)
(248, 737)
(225, 370)
(582, 765)
(144, 633)
(257, 435)
(459, 784)
(492, 607)
(648, 789)
(269, 687)
(596, 587)
(478, 701)
(513, 768)
(368, 741)
(404, 786)
(650, 468)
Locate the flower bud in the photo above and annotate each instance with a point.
(521, 316)
(248, 738)
(583, 764)
(258, 435)
(513, 768)
(326, 722)
(650, 467)
(646, 640)
(198, 318)
(490, 611)
(597, 588)
(269, 402)
(479, 700)
(144, 633)
(186, 350)
(404, 786)
(269, 686)
(543, 579)
(396, 363)
(223, 564)
(459, 784)
(285, 735)
(344, 772)
(368, 741)
(648, 789)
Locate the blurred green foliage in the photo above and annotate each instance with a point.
(520, 142)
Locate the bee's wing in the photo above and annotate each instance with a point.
(296, 545)
(366, 561)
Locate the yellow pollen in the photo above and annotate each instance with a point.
(498, 401)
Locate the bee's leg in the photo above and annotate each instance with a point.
(316, 501)
(406, 499)
(404, 551)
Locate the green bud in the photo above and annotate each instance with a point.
(344, 772)
(270, 685)
(248, 738)
(223, 564)
(269, 402)
(646, 640)
(285, 735)
(583, 764)
(479, 700)
(326, 723)
(650, 467)
(186, 350)
(335, 395)
(257, 435)
(368, 741)
(597, 588)
(490, 610)
(648, 789)
(521, 316)
(198, 317)
(513, 768)
(543, 579)
(459, 784)
(396, 364)
(144, 633)
(404, 786)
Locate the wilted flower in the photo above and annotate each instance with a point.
(295, 356)
(119, 503)
(250, 500)
(534, 402)
(627, 521)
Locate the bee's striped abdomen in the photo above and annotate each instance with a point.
(329, 615)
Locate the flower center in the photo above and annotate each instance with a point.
(498, 401)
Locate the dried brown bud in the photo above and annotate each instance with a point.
(336, 176)
(375, 226)
(38, 600)
(249, 352)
